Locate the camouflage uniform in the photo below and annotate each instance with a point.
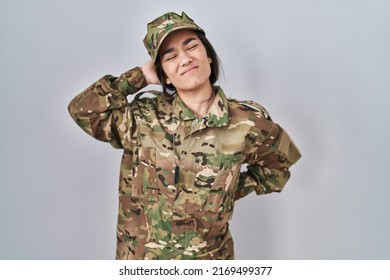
(159, 219)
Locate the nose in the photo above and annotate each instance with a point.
(185, 59)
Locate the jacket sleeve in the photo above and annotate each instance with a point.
(268, 166)
(101, 110)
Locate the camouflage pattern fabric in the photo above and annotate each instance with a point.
(161, 27)
(159, 219)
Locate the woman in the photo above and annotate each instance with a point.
(183, 148)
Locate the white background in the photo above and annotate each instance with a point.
(321, 68)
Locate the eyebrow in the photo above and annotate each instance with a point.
(185, 42)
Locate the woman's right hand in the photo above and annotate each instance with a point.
(149, 71)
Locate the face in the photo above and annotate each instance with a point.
(185, 62)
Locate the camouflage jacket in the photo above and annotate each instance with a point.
(188, 219)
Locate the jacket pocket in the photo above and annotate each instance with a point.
(145, 175)
(221, 196)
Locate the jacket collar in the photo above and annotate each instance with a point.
(217, 116)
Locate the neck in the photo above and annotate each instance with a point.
(197, 101)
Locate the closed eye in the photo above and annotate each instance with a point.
(171, 57)
(192, 47)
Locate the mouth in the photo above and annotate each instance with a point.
(189, 70)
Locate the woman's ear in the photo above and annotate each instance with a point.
(168, 81)
(210, 60)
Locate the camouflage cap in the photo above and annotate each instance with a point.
(162, 26)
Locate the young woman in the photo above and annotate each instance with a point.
(183, 148)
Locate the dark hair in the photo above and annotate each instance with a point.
(215, 64)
